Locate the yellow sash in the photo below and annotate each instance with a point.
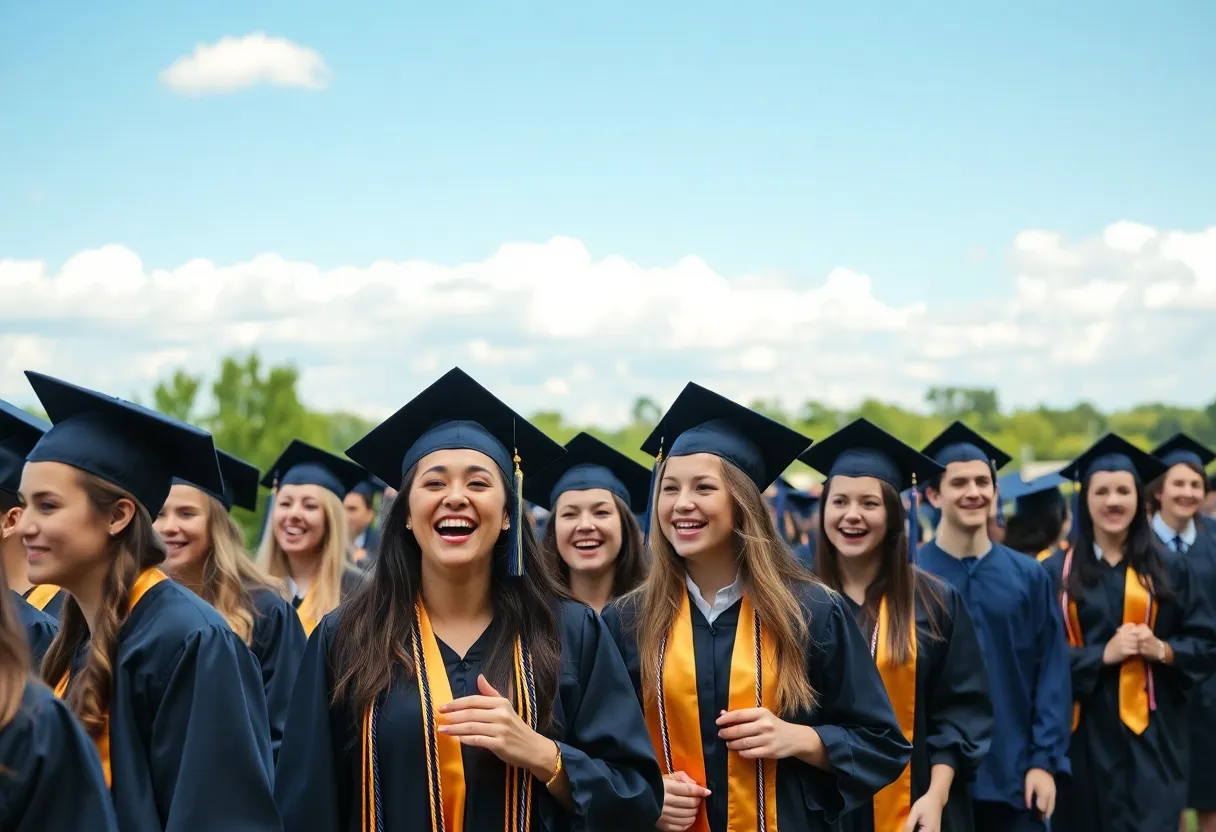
(306, 612)
(1045, 554)
(446, 766)
(41, 595)
(1135, 676)
(146, 580)
(673, 717)
(893, 804)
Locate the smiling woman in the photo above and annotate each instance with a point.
(459, 680)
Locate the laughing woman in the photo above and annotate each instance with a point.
(1141, 636)
(170, 695)
(308, 544)
(759, 692)
(592, 538)
(206, 552)
(459, 688)
(921, 635)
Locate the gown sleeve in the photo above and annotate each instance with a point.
(307, 779)
(614, 778)
(854, 718)
(210, 749)
(279, 645)
(959, 724)
(1051, 725)
(54, 779)
(1194, 642)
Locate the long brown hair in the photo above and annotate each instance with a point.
(136, 548)
(14, 656)
(228, 573)
(768, 571)
(629, 568)
(897, 580)
(326, 591)
(378, 619)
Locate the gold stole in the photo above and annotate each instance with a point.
(893, 804)
(41, 595)
(307, 612)
(1135, 675)
(444, 764)
(146, 580)
(1045, 554)
(673, 717)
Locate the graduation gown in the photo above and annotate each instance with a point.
(1021, 635)
(278, 644)
(53, 606)
(854, 717)
(39, 627)
(1122, 782)
(189, 732)
(605, 748)
(953, 720)
(51, 776)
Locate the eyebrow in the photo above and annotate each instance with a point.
(471, 469)
(37, 494)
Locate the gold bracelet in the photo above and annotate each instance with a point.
(557, 771)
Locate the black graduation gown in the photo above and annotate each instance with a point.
(352, 577)
(51, 778)
(854, 717)
(1122, 782)
(189, 733)
(606, 753)
(39, 627)
(54, 607)
(1202, 721)
(953, 722)
(278, 644)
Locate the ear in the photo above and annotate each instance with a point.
(933, 496)
(8, 523)
(121, 516)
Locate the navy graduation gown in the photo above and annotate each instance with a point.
(854, 716)
(953, 722)
(189, 732)
(606, 753)
(1122, 782)
(39, 627)
(50, 775)
(1021, 635)
(54, 607)
(278, 644)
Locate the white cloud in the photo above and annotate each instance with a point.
(547, 325)
(233, 63)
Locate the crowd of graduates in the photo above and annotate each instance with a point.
(462, 625)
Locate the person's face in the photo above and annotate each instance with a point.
(359, 513)
(855, 515)
(299, 518)
(182, 525)
(457, 507)
(1182, 492)
(587, 528)
(694, 508)
(1112, 501)
(966, 495)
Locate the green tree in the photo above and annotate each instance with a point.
(176, 397)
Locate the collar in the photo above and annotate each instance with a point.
(1167, 534)
(725, 598)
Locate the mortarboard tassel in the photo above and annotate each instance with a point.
(515, 537)
(913, 521)
(654, 473)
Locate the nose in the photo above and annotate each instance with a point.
(585, 523)
(455, 497)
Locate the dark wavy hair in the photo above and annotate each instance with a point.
(1038, 523)
(631, 562)
(378, 619)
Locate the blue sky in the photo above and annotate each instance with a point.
(783, 138)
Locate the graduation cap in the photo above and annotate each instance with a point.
(862, 449)
(1028, 494)
(959, 443)
(240, 483)
(369, 488)
(702, 422)
(1114, 453)
(136, 449)
(304, 464)
(1180, 448)
(19, 433)
(457, 413)
(589, 463)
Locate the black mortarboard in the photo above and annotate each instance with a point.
(959, 443)
(1181, 448)
(1114, 453)
(590, 463)
(701, 421)
(801, 503)
(862, 449)
(19, 433)
(457, 413)
(240, 483)
(304, 464)
(1027, 494)
(137, 449)
(369, 488)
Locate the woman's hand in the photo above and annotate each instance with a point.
(757, 733)
(682, 799)
(926, 814)
(489, 721)
(1123, 645)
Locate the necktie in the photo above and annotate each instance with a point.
(1179, 545)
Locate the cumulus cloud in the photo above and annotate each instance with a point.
(233, 63)
(1113, 318)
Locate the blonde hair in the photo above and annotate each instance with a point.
(768, 571)
(326, 591)
(228, 572)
